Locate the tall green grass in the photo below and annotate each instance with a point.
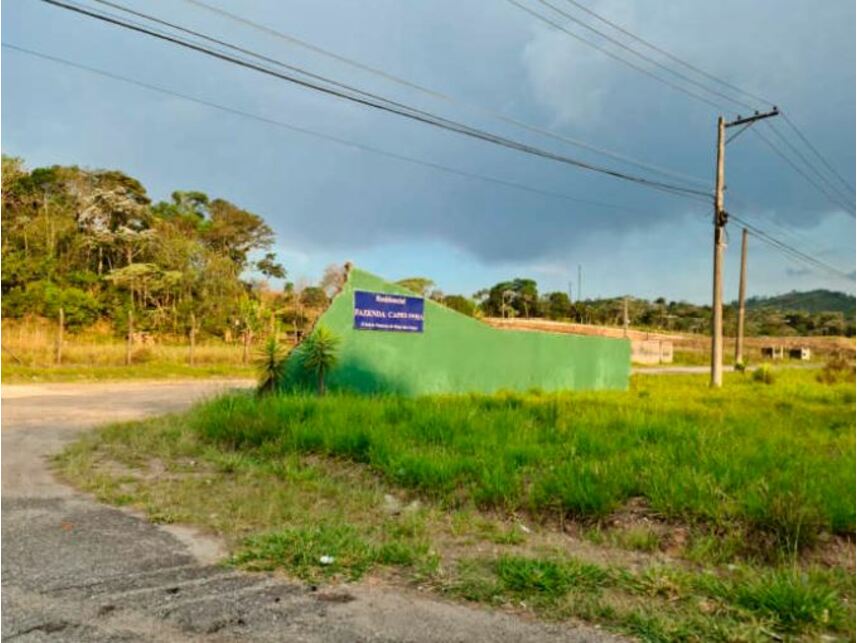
(775, 462)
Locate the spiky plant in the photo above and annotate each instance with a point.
(271, 362)
(318, 354)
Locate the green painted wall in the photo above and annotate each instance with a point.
(458, 354)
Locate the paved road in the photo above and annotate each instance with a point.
(75, 570)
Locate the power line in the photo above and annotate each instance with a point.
(648, 59)
(416, 116)
(815, 151)
(663, 52)
(387, 106)
(404, 82)
(309, 132)
(628, 33)
(797, 169)
(791, 232)
(833, 188)
(791, 250)
(609, 53)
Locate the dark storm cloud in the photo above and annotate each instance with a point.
(324, 197)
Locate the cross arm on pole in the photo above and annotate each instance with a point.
(741, 120)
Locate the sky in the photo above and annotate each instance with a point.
(488, 62)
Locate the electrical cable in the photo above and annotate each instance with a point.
(409, 84)
(309, 132)
(609, 53)
(797, 169)
(669, 55)
(812, 147)
(385, 105)
(818, 263)
(792, 148)
(833, 188)
(648, 59)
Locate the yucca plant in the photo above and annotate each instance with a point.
(318, 354)
(271, 362)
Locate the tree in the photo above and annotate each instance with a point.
(460, 304)
(269, 266)
(94, 238)
(318, 354)
(314, 297)
(235, 233)
(418, 285)
(516, 298)
(332, 280)
(557, 305)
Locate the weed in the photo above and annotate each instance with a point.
(764, 374)
(550, 579)
(778, 475)
(789, 597)
(836, 369)
(326, 550)
(748, 478)
(305, 551)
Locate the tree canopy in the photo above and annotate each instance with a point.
(93, 243)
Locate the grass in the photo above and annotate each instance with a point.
(29, 356)
(775, 462)
(14, 374)
(669, 511)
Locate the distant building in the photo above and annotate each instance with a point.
(772, 352)
(800, 352)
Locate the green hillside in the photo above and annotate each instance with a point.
(812, 301)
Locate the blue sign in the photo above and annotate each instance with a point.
(382, 311)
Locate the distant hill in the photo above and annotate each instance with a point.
(813, 301)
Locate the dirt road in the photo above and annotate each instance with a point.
(76, 570)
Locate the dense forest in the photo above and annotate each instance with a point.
(93, 244)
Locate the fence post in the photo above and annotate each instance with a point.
(192, 338)
(247, 339)
(130, 339)
(60, 337)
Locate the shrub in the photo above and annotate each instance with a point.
(271, 362)
(142, 355)
(836, 369)
(319, 354)
(764, 374)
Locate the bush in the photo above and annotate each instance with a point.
(142, 356)
(837, 369)
(764, 374)
(318, 354)
(271, 362)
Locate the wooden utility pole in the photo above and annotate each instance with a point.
(60, 337)
(720, 218)
(742, 291)
(129, 341)
(717, 295)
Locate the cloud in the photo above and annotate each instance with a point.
(324, 198)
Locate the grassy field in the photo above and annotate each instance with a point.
(668, 511)
(29, 355)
